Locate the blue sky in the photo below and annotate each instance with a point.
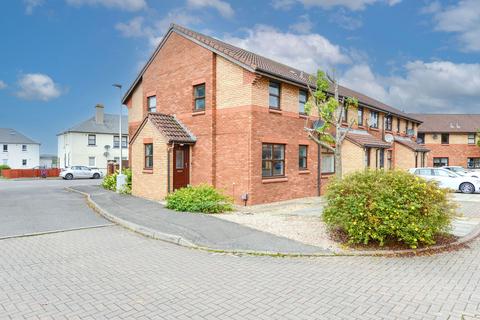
(60, 57)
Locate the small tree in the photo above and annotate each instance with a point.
(478, 137)
(330, 131)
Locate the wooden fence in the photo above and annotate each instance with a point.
(29, 173)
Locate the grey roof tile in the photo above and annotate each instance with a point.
(110, 125)
(8, 135)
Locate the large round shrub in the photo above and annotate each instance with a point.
(201, 198)
(388, 206)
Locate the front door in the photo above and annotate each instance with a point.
(181, 167)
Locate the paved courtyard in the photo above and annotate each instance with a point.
(112, 273)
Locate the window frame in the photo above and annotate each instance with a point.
(440, 161)
(149, 108)
(5, 148)
(388, 122)
(116, 139)
(398, 125)
(373, 112)
(272, 160)
(94, 161)
(344, 114)
(421, 140)
(360, 114)
(475, 161)
(124, 137)
(302, 158)
(24, 162)
(469, 136)
(94, 140)
(447, 135)
(147, 157)
(24, 147)
(197, 98)
(322, 160)
(300, 102)
(272, 95)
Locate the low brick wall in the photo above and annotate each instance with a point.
(29, 173)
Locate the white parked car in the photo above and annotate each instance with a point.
(448, 179)
(80, 172)
(462, 171)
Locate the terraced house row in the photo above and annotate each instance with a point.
(205, 111)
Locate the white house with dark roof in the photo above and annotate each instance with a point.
(17, 150)
(93, 142)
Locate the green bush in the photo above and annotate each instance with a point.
(3, 166)
(110, 181)
(388, 206)
(201, 198)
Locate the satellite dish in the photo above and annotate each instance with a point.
(389, 138)
(106, 154)
(107, 147)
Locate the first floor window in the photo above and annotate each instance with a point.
(471, 138)
(149, 155)
(388, 123)
(344, 113)
(421, 137)
(199, 97)
(328, 163)
(302, 157)
(91, 161)
(152, 104)
(124, 141)
(274, 95)
(398, 124)
(116, 142)
(445, 138)
(92, 140)
(5, 148)
(360, 116)
(24, 162)
(473, 163)
(373, 119)
(302, 99)
(440, 162)
(24, 147)
(273, 160)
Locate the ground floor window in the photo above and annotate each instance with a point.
(148, 155)
(302, 157)
(473, 163)
(91, 161)
(389, 159)
(440, 162)
(328, 163)
(273, 160)
(24, 162)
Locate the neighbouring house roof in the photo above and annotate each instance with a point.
(8, 135)
(365, 139)
(110, 125)
(411, 144)
(262, 65)
(170, 127)
(461, 123)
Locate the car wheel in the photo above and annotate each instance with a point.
(96, 176)
(69, 176)
(467, 187)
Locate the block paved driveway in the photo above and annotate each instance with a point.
(112, 273)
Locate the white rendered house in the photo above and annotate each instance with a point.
(93, 142)
(18, 151)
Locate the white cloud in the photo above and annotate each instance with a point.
(305, 25)
(3, 85)
(328, 4)
(305, 51)
(439, 86)
(37, 86)
(224, 8)
(137, 28)
(345, 20)
(462, 19)
(31, 4)
(128, 5)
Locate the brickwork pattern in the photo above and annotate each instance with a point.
(457, 152)
(110, 273)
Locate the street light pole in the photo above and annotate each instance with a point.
(121, 179)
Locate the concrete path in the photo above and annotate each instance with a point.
(40, 206)
(199, 229)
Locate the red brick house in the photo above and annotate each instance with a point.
(452, 139)
(204, 111)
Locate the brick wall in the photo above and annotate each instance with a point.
(404, 157)
(149, 184)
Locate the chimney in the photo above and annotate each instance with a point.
(99, 113)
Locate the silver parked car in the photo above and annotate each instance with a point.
(80, 172)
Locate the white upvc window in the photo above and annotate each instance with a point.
(91, 161)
